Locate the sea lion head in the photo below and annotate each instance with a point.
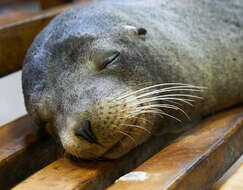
(88, 79)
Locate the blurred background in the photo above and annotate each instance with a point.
(11, 98)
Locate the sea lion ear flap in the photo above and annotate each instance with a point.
(141, 31)
(134, 30)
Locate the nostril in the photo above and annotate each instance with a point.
(85, 132)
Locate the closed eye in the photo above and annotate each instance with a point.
(111, 59)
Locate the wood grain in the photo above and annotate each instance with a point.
(13, 16)
(196, 160)
(185, 164)
(46, 4)
(16, 38)
(234, 182)
(66, 174)
(6, 3)
(23, 150)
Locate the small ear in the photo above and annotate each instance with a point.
(133, 30)
(141, 31)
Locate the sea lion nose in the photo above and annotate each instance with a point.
(85, 132)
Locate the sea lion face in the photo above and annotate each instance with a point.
(95, 116)
(89, 81)
(86, 96)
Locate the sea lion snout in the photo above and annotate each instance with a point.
(85, 132)
(104, 130)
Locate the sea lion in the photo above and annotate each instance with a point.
(104, 77)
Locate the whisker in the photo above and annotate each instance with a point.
(155, 111)
(174, 102)
(137, 126)
(120, 141)
(122, 132)
(138, 118)
(164, 90)
(164, 97)
(158, 85)
(158, 98)
(164, 106)
(131, 83)
(166, 114)
(183, 95)
(187, 101)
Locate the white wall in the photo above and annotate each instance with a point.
(11, 98)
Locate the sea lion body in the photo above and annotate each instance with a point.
(69, 86)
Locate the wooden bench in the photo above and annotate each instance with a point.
(30, 158)
(234, 182)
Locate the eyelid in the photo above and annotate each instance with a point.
(111, 58)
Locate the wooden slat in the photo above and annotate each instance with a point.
(10, 2)
(46, 4)
(234, 182)
(23, 150)
(213, 146)
(13, 16)
(66, 174)
(195, 161)
(15, 39)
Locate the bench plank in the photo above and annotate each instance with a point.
(46, 4)
(185, 162)
(4, 3)
(13, 16)
(23, 151)
(234, 182)
(66, 174)
(196, 160)
(13, 136)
